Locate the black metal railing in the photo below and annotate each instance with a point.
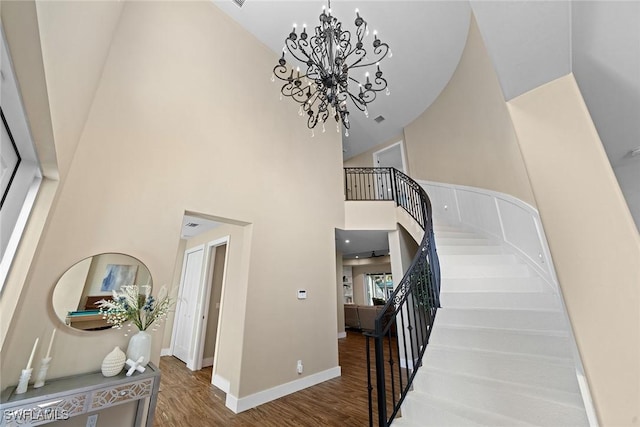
(404, 324)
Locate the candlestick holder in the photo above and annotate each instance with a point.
(24, 381)
(42, 372)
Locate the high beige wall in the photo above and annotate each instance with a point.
(176, 125)
(593, 241)
(466, 136)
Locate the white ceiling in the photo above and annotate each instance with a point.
(362, 243)
(195, 225)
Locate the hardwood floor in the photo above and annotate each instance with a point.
(187, 398)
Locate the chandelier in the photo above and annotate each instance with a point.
(331, 59)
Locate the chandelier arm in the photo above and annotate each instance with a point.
(294, 92)
(293, 47)
(359, 103)
(374, 62)
(381, 84)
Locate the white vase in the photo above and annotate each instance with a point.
(113, 363)
(140, 345)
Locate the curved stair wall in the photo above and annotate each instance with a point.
(497, 216)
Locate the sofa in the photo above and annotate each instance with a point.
(361, 317)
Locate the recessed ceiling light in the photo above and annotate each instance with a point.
(346, 241)
(357, 257)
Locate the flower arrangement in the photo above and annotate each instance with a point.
(143, 310)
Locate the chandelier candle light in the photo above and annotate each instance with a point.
(331, 58)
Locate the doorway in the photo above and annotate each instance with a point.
(391, 157)
(196, 326)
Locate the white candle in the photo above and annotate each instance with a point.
(51, 343)
(35, 344)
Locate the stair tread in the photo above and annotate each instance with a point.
(438, 412)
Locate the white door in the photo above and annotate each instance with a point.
(186, 311)
(390, 157)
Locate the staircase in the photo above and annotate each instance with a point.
(500, 351)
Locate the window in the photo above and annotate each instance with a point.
(379, 286)
(20, 174)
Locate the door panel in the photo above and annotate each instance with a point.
(187, 308)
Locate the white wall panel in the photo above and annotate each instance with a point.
(520, 230)
(443, 203)
(479, 211)
(497, 216)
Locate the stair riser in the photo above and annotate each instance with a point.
(502, 319)
(477, 271)
(447, 241)
(468, 250)
(526, 284)
(499, 300)
(454, 261)
(503, 341)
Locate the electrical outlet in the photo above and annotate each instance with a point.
(299, 366)
(92, 420)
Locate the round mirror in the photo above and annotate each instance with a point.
(90, 280)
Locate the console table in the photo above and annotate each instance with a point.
(62, 398)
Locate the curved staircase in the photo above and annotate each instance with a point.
(500, 352)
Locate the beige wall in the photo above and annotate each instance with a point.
(169, 129)
(593, 241)
(466, 136)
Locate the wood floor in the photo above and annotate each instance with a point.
(187, 398)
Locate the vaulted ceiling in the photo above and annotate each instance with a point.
(530, 43)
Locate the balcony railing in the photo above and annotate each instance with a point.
(403, 327)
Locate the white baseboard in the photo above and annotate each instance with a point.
(165, 352)
(238, 405)
(207, 361)
(342, 335)
(222, 383)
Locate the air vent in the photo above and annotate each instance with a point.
(191, 224)
(379, 119)
(239, 2)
